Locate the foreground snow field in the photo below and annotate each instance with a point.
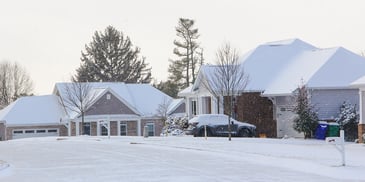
(177, 159)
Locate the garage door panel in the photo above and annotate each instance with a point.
(28, 133)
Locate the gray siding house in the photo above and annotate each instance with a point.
(116, 109)
(275, 71)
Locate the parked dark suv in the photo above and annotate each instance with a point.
(217, 125)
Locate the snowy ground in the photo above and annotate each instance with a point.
(177, 159)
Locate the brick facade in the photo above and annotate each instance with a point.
(158, 126)
(2, 131)
(73, 129)
(114, 128)
(361, 131)
(256, 110)
(93, 129)
(131, 128)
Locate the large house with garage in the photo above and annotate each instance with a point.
(275, 71)
(116, 109)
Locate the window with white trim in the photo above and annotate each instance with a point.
(151, 129)
(104, 130)
(41, 131)
(29, 131)
(193, 107)
(87, 129)
(123, 129)
(18, 132)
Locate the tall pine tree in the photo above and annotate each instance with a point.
(188, 61)
(184, 69)
(111, 57)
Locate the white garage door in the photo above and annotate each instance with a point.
(27, 133)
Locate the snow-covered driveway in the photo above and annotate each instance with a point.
(177, 159)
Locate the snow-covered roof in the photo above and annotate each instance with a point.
(143, 98)
(33, 110)
(359, 82)
(175, 103)
(278, 68)
(186, 91)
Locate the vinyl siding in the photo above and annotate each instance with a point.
(327, 102)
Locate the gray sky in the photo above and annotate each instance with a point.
(47, 36)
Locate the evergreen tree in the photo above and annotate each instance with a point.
(185, 68)
(348, 120)
(183, 71)
(307, 119)
(110, 57)
(168, 87)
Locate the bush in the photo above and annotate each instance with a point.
(174, 126)
(307, 119)
(348, 120)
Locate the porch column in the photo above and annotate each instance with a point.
(361, 127)
(98, 128)
(187, 107)
(200, 105)
(139, 127)
(214, 105)
(69, 127)
(77, 123)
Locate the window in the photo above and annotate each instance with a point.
(29, 131)
(193, 107)
(86, 129)
(104, 131)
(52, 131)
(41, 131)
(123, 130)
(151, 129)
(18, 132)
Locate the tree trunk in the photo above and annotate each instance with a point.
(229, 119)
(82, 123)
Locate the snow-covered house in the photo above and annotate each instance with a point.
(275, 71)
(32, 116)
(117, 109)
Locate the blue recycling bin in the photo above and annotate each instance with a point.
(321, 130)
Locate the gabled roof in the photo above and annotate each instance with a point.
(175, 103)
(278, 68)
(142, 98)
(33, 110)
(359, 82)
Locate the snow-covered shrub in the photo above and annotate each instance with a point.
(174, 126)
(348, 120)
(307, 119)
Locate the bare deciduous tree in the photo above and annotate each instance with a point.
(163, 108)
(14, 82)
(227, 78)
(78, 97)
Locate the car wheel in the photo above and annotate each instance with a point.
(244, 133)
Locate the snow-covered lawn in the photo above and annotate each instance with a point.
(177, 159)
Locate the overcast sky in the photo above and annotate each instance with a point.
(47, 37)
